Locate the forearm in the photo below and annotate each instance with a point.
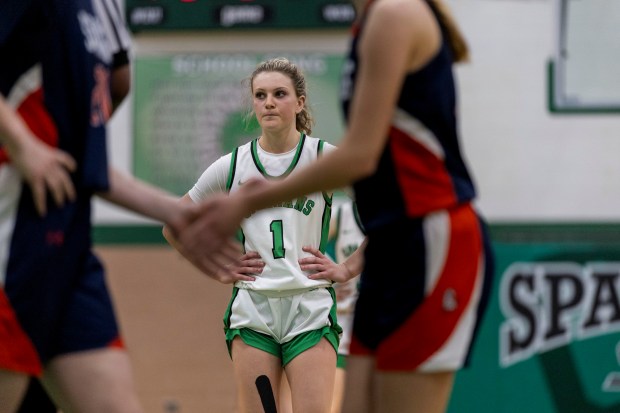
(137, 196)
(174, 243)
(355, 263)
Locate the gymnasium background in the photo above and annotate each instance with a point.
(540, 105)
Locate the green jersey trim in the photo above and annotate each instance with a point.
(232, 169)
(294, 162)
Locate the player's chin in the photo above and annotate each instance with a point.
(271, 124)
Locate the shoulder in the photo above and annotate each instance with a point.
(412, 14)
(328, 147)
(219, 167)
(414, 30)
(398, 8)
(321, 144)
(245, 147)
(317, 140)
(225, 159)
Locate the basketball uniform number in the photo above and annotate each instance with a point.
(277, 234)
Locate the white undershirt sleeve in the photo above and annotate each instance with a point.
(212, 180)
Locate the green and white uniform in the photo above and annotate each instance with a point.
(349, 236)
(282, 302)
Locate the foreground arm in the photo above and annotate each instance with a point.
(144, 199)
(377, 89)
(137, 196)
(357, 156)
(216, 266)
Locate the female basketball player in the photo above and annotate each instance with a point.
(36, 399)
(278, 317)
(427, 263)
(57, 320)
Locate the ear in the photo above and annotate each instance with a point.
(301, 103)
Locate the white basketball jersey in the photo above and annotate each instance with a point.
(279, 233)
(349, 236)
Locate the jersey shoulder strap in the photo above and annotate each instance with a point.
(232, 169)
(319, 148)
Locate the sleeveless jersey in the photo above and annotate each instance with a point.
(55, 72)
(349, 231)
(421, 168)
(57, 56)
(278, 233)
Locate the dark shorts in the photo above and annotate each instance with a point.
(423, 290)
(54, 298)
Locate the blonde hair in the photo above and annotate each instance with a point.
(304, 119)
(457, 42)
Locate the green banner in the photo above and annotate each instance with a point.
(550, 341)
(150, 15)
(191, 109)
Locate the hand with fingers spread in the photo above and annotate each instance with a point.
(323, 267)
(45, 169)
(246, 268)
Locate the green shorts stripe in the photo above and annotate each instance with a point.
(249, 311)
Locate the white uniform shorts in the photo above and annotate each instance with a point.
(283, 325)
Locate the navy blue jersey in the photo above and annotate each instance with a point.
(57, 57)
(56, 64)
(421, 168)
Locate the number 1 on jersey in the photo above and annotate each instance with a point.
(277, 233)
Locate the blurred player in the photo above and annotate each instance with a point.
(57, 320)
(36, 399)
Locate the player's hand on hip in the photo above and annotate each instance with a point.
(321, 267)
(245, 269)
(45, 169)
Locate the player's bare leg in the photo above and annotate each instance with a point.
(311, 377)
(286, 401)
(413, 392)
(359, 387)
(339, 384)
(248, 364)
(12, 389)
(93, 381)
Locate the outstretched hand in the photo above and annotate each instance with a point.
(204, 234)
(215, 260)
(323, 267)
(45, 169)
(207, 236)
(217, 220)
